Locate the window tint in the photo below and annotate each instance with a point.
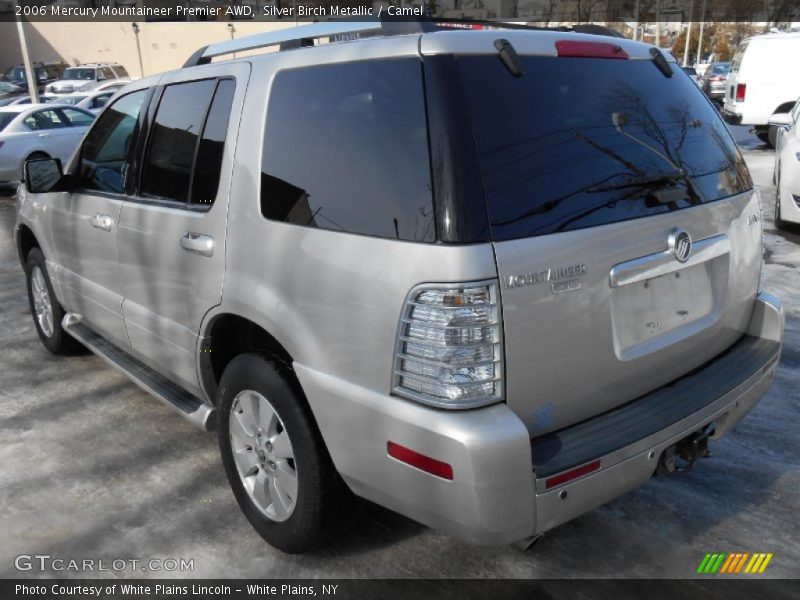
(346, 149)
(105, 150)
(173, 139)
(46, 119)
(209, 154)
(77, 118)
(557, 156)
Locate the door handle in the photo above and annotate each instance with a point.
(197, 243)
(44, 135)
(103, 222)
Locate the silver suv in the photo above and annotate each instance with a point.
(487, 279)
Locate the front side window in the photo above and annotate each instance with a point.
(105, 151)
(173, 141)
(346, 149)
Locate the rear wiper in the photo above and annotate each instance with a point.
(643, 182)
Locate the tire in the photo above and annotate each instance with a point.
(46, 311)
(772, 135)
(779, 223)
(292, 517)
(763, 136)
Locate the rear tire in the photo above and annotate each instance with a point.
(47, 312)
(763, 136)
(275, 458)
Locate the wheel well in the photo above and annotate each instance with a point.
(784, 108)
(26, 242)
(229, 336)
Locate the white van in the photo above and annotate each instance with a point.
(762, 82)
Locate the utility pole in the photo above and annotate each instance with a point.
(636, 21)
(688, 35)
(658, 24)
(702, 26)
(33, 91)
(135, 27)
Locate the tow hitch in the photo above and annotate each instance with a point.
(682, 456)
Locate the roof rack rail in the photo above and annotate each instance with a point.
(289, 37)
(304, 35)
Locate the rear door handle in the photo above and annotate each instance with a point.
(100, 221)
(198, 243)
(44, 135)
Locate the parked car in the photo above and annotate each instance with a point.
(713, 81)
(692, 75)
(38, 131)
(91, 101)
(84, 78)
(43, 99)
(44, 72)
(567, 304)
(9, 92)
(759, 85)
(787, 167)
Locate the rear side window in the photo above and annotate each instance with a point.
(5, 119)
(557, 146)
(77, 118)
(121, 71)
(346, 149)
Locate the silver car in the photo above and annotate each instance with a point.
(38, 131)
(416, 267)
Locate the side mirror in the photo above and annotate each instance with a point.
(43, 175)
(783, 120)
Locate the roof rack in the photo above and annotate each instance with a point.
(304, 35)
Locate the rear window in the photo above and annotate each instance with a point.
(720, 69)
(5, 119)
(736, 62)
(556, 145)
(346, 149)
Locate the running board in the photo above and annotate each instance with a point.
(185, 404)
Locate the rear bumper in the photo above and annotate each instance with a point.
(730, 117)
(499, 490)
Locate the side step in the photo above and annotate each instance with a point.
(185, 404)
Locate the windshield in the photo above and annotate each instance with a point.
(556, 157)
(15, 73)
(78, 73)
(73, 99)
(720, 68)
(6, 118)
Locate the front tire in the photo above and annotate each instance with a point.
(275, 459)
(779, 222)
(47, 312)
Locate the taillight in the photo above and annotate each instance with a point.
(741, 89)
(449, 346)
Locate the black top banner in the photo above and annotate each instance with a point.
(778, 13)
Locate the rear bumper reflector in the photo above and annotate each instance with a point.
(572, 474)
(420, 461)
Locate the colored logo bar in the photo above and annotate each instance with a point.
(734, 563)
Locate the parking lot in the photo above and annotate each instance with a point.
(92, 467)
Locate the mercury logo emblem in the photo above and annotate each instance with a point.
(680, 242)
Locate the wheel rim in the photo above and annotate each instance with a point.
(42, 306)
(263, 454)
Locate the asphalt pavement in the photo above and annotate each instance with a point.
(94, 468)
